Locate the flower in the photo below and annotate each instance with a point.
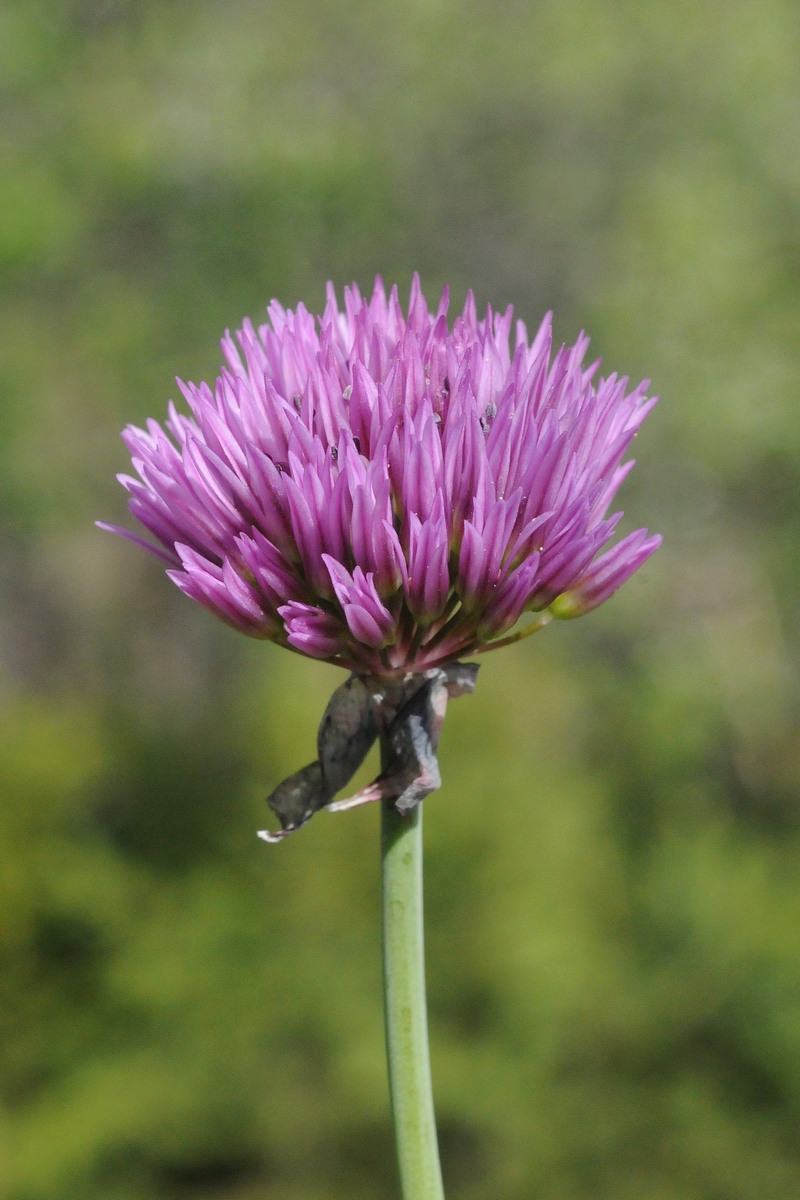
(387, 493)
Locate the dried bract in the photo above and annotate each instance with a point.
(407, 714)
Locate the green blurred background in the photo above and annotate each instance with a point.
(613, 882)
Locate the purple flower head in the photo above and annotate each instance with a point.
(388, 493)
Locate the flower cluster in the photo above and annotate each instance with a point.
(386, 493)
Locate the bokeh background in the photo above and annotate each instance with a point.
(613, 869)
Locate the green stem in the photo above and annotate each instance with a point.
(542, 619)
(406, 1015)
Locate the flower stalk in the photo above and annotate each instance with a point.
(405, 1007)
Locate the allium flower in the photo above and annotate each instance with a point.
(391, 495)
(386, 493)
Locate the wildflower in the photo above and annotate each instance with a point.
(389, 494)
(386, 493)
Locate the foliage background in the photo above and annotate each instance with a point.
(613, 882)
